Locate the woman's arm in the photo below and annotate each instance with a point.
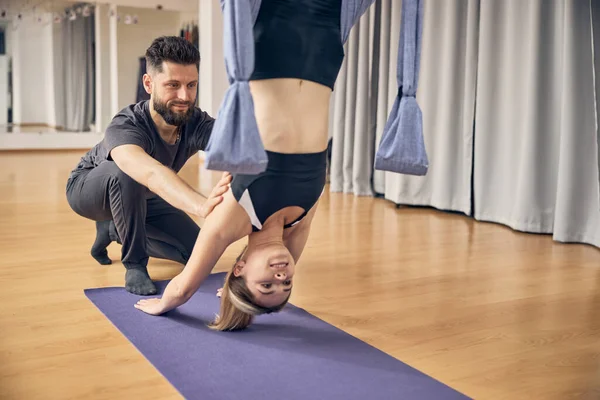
(226, 224)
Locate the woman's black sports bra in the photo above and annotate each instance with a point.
(298, 39)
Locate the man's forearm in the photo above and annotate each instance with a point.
(175, 191)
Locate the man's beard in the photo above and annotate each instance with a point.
(172, 117)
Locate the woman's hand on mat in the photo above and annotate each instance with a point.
(216, 196)
(150, 306)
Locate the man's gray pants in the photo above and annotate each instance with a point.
(146, 226)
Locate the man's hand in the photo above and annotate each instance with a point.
(216, 196)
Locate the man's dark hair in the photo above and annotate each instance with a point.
(172, 49)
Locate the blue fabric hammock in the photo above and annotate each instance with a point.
(402, 148)
(235, 144)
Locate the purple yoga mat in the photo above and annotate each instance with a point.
(288, 355)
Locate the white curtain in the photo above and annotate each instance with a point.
(358, 119)
(389, 32)
(509, 93)
(446, 94)
(364, 93)
(535, 166)
(351, 125)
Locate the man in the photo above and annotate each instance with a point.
(128, 182)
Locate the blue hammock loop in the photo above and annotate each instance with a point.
(402, 147)
(235, 144)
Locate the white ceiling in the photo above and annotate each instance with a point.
(14, 7)
(173, 5)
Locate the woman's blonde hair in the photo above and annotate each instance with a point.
(238, 308)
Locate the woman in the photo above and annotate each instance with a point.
(296, 65)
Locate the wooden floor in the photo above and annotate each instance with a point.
(493, 313)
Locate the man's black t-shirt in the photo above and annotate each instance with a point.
(134, 125)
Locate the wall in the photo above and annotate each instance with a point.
(213, 75)
(133, 42)
(59, 78)
(38, 55)
(33, 73)
(4, 97)
(190, 6)
(103, 82)
(48, 43)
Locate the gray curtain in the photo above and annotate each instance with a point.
(76, 97)
(366, 89)
(354, 112)
(509, 92)
(352, 131)
(535, 166)
(446, 94)
(385, 59)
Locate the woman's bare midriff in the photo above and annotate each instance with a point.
(292, 114)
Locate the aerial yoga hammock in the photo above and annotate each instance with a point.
(236, 145)
(282, 75)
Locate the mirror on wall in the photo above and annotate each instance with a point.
(47, 66)
(61, 69)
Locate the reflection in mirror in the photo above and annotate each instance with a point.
(67, 67)
(47, 77)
